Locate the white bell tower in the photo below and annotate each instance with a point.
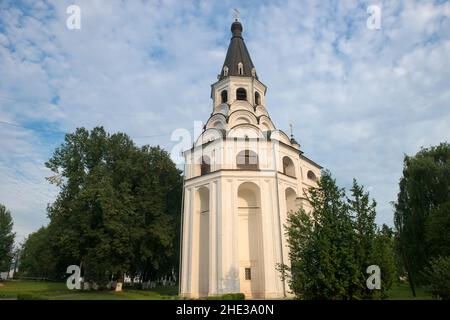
(242, 177)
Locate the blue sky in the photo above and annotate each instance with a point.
(359, 99)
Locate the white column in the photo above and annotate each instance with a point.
(280, 235)
(283, 213)
(272, 254)
(219, 236)
(212, 290)
(187, 243)
(229, 255)
(234, 235)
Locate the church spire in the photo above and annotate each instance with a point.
(237, 61)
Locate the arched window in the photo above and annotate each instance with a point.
(311, 176)
(206, 165)
(288, 167)
(241, 94)
(257, 98)
(247, 159)
(224, 96)
(240, 69)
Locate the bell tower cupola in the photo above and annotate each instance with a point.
(238, 88)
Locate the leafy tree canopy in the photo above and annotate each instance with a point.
(118, 207)
(422, 210)
(332, 246)
(36, 258)
(6, 238)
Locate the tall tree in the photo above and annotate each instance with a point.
(6, 238)
(363, 214)
(332, 246)
(114, 212)
(375, 246)
(159, 247)
(423, 202)
(323, 263)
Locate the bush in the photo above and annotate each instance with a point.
(228, 296)
(233, 296)
(437, 274)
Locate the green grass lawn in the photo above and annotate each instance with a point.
(402, 291)
(59, 291)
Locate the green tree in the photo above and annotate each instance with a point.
(6, 238)
(437, 275)
(117, 208)
(374, 246)
(322, 244)
(437, 230)
(158, 249)
(422, 209)
(383, 255)
(36, 257)
(363, 215)
(332, 246)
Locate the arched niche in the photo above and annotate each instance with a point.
(288, 166)
(201, 240)
(291, 200)
(245, 130)
(311, 176)
(217, 121)
(250, 240)
(238, 117)
(209, 134)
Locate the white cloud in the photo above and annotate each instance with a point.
(359, 99)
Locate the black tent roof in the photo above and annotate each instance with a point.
(237, 53)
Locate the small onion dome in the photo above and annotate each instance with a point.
(236, 29)
(294, 143)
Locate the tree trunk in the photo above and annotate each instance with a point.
(408, 270)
